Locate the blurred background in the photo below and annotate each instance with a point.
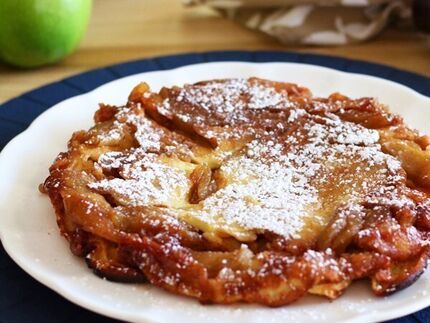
(125, 30)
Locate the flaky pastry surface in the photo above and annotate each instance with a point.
(246, 190)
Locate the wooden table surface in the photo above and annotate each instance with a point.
(131, 29)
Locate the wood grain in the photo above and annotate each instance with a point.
(132, 29)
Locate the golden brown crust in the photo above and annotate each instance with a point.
(379, 232)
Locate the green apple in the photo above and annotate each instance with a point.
(39, 32)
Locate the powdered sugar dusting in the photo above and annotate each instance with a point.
(228, 96)
(278, 193)
(295, 114)
(280, 181)
(283, 181)
(148, 136)
(145, 179)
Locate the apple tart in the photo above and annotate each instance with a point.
(246, 190)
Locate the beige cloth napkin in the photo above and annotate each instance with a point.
(314, 22)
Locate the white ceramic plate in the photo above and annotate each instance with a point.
(29, 233)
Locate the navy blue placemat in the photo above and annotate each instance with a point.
(22, 298)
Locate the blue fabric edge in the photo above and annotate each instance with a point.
(42, 98)
(173, 61)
